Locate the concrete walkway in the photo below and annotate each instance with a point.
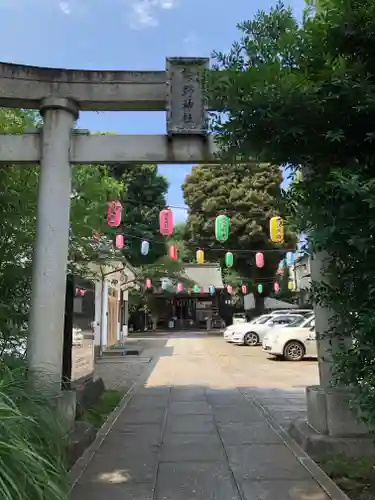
(187, 433)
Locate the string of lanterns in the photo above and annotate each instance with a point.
(222, 226)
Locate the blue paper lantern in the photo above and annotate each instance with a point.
(145, 246)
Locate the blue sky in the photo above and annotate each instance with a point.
(122, 34)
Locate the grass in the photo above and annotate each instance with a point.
(355, 477)
(98, 414)
(32, 455)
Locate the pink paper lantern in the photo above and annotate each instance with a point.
(179, 287)
(148, 283)
(244, 289)
(82, 292)
(259, 259)
(201, 291)
(173, 252)
(276, 287)
(229, 289)
(119, 241)
(114, 214)
(166, 222)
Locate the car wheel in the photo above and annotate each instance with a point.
(251, 338)
(294, 351)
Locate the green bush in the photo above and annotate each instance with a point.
(32, 454)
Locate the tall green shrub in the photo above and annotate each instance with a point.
(32, 454)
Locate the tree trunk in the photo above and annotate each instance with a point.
(68, 334)
(259, 304)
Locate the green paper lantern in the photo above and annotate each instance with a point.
(229, 259)
(222, 228)
(260, 288)
(196, 289)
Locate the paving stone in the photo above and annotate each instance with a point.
(112, 491)
(190, 447)
(228, 414)
(148, 402)
(195, 481)
(247, 433)
(265, 461)
(196, 424)
(189, 408)
(121, 465)
(187, 394)
(153, 391)
(134, 434)
(223, 398)
(283, 490)
(141, 416)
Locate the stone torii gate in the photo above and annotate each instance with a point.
(60, 94)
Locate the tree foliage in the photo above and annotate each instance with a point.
(249, 194)
(91, 189)
(304, 95)
(143, 197)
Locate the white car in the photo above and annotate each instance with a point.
(239, 318)
(294, 342)
(252, 334)
(304, 312)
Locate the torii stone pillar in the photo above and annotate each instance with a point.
(60, 94)
(46, 323)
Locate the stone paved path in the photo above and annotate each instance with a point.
(188, 433)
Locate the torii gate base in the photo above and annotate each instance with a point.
(59, 95)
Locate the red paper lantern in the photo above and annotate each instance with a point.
(179, 287)
(166, 222)
(229, 289)
(172, 252)
(259, 259)
(244, 289)
(114, 214)
(276, 287)
(148, 283)
(119, 241)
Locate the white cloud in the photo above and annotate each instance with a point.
(65, 8)
(144, 13)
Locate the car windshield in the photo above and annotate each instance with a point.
(262, 319)
(297, 321)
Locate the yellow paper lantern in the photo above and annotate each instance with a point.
(200, 257)
(276, 230)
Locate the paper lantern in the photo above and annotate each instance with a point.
(119, 241)
(211, 290)
(276, 287)
(290, 285)
(260, 288)
(196, 289)
(229, 289)
(172, 252)
(222, 228)
(259, 259)
(148, 283)
(229, 259)
(200, 257)
(276, 230)
(244, 289)
(145, 247)
(77, 291)
(164, 284)
(82, 292)
(166, 222)
(179, 287)
(201, 291)
(114, 214)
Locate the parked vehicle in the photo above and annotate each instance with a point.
(77, 337)
(239, 318)
(251, 334)
(293, 343)
(292, 311)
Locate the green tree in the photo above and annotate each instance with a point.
(304, 94)
(143, 197)
(91, 189)
(249, 194)
(179, 238)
